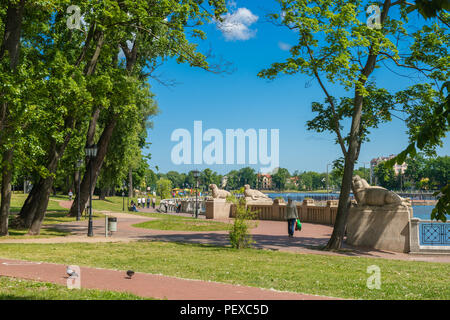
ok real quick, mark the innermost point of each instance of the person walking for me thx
(70, 195)
(148, 202)
(139, 202)
(291, 216)
(154, 202)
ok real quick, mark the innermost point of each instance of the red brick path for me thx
(145, 285)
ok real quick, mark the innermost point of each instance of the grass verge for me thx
(180, 223)
(18, 289)
(335, 276)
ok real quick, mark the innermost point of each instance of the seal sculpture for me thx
(218, 193)
(373, 196)
(254, 194)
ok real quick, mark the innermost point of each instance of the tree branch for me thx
(330, 101)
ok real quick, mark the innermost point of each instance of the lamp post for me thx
(328, 164)
(91, 153)
(79, 164)
(196, 174)
(370, 173)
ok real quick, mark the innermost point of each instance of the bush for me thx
(240, 236)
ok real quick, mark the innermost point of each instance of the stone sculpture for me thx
(373, 196)
(251, 194)
(218, 193)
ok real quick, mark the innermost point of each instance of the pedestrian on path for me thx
(148, 203)
(154, 202)
(70, 195)
(139, 202)
(291, 216)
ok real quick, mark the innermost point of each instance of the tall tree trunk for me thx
(95, 165)
(354, 146)
(337, 237)
(5, 192)
(11, 44)
(33, 210)
(103, 192)
(130, 184)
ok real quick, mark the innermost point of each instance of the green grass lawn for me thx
(183, 224)
(55, 214)
(115, 204)
(179, 223)
(17, 200)
(344, 277)
(18, 289)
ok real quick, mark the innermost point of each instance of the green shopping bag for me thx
(298, 225)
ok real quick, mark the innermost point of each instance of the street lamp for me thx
(91, 153)
(123, 200)
(196, 174)
(79, 164)
(370, 173)
(328, 164)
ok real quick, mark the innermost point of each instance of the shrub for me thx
(240, 236)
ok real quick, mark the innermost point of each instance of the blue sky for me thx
(242, 100)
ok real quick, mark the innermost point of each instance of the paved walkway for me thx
(271, 235)
(144, 284)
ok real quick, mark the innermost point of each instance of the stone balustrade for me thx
(307, 211)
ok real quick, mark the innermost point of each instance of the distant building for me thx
(293, 180)
(397, 167)
(264, 181)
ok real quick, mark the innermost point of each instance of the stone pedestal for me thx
(380, 227)
(217, 209)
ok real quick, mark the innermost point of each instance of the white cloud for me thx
(235, 26)
(284, 46)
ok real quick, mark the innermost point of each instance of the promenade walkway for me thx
(270, 235)
(144, 284)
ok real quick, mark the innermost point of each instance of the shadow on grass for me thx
(269, 242)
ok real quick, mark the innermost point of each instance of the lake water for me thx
(421, 212)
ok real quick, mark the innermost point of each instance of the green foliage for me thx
(240, 236)
(385, 177)
(164, 188)
(279, 178)
(430, 8)
(443, 205)
(321, 274)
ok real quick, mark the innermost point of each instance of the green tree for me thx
(164, 188)
(279, 178)
(385, 177)
(334, 45)
(248, 176)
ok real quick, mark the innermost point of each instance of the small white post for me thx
(106, 226)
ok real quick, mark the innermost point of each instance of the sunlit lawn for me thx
(179, 223)
(55, 214)
(18, 289)
(335, 276)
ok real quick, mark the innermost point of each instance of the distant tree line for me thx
(422, 173)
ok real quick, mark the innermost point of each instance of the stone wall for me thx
(307, 211)
(380, 227)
